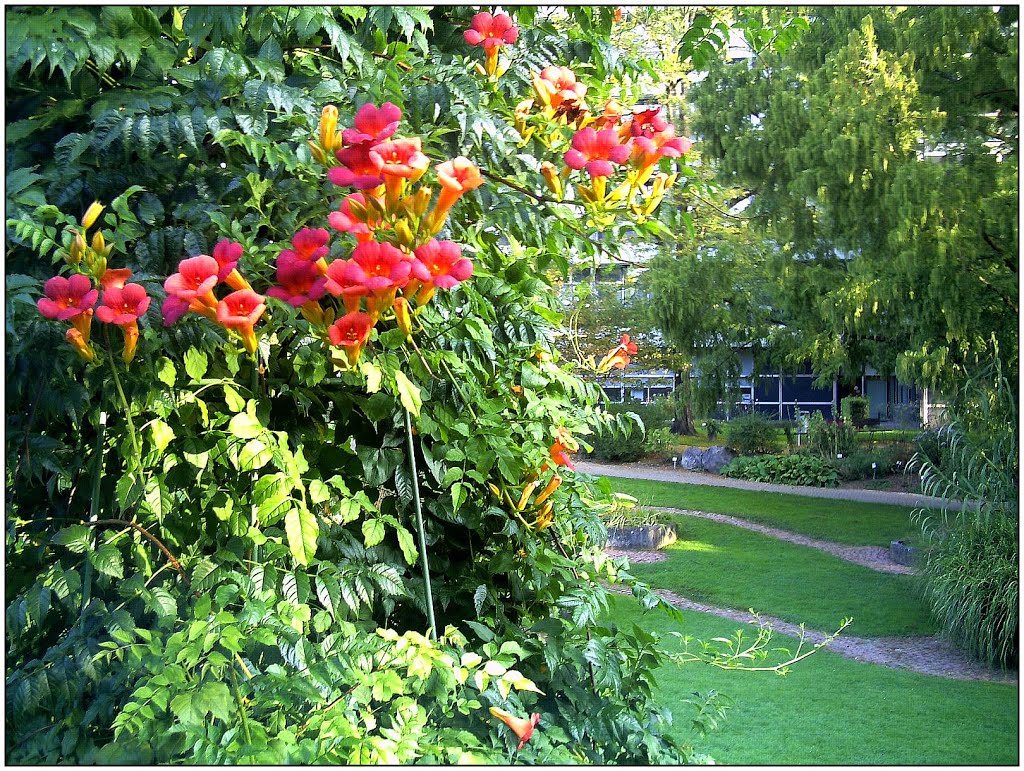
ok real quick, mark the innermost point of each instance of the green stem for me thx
(124, 401)
(419, 525)
(94, 505)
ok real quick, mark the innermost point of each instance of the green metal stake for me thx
(419, 525)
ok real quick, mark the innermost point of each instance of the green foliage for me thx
(750, 434)
(971, 574)
(854, 408)
(830, 438)
(784, 469)
(625, 440)
(883, 164)
(858, 464)
(213, 556)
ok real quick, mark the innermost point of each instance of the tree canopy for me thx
(880, 156)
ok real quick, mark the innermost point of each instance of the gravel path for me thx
(638, 471)
(874, 557)
(927, 655)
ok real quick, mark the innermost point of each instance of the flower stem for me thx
(124, 401)
(419, 525)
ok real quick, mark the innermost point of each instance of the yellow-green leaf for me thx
(409, 393)
(162, 434)
(373, 376)
(302, 529)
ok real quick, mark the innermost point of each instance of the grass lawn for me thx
(728, 566)
(848, 522)
(834, 711)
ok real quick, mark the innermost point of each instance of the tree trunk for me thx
(682, 420)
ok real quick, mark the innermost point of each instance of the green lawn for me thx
(728, 566)
(834, 711)
(848, 522)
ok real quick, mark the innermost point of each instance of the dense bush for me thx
(750, 434)
(293, 532)
(857, 464)
(621, 446)
(972, 574)
(796, 469)
(854, 409)
(830, 438)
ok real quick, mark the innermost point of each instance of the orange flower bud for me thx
(403, 316)
(74, 337)
(550, 174)
(131, 339)
(525, 498)
(548, 490)
(92, 214)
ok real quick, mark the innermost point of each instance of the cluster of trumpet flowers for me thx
(74, 298)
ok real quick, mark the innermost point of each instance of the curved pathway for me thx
(654, 474)
(927, 655)
(874, 557)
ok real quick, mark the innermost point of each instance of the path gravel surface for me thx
(656, 474)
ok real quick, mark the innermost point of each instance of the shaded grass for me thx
(834, 711)
(847, 522)
(728, 566)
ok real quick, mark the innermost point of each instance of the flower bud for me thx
(131, 339)
(403, 316)
(92, 214)
(328, 127)
(82, 348)
(99, 244)
(550, 174)
(77, 249)
(420, 201)
(318, 153)
(403, 233)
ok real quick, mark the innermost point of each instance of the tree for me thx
(883, 256)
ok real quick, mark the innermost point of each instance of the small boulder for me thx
(715, 458)
(691, 459)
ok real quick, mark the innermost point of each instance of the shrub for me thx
(785, 470)
(658, 440)
(855, 408)
(971, 574)
(972, 584)
(750, 434)
(623, 443)
(829, 438)
(857, 465)
(713, 427)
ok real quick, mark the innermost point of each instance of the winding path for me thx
(927, 655)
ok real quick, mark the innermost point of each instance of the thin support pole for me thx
(419, 525)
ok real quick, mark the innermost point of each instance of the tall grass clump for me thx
(971, 572)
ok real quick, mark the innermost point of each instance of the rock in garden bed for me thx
(643, 537)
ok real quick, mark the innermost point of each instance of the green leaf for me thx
(163, 434)
(301, 527)
(196, 363)
(77, 538)
(165, 371)
(245, 426)
(328, 592)
(409, 393)
(232, 398)
(373, 531)
(254, 455)
(107, 560)
(215, 699)
(373, 376)
(407, 545)
(163, 603)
